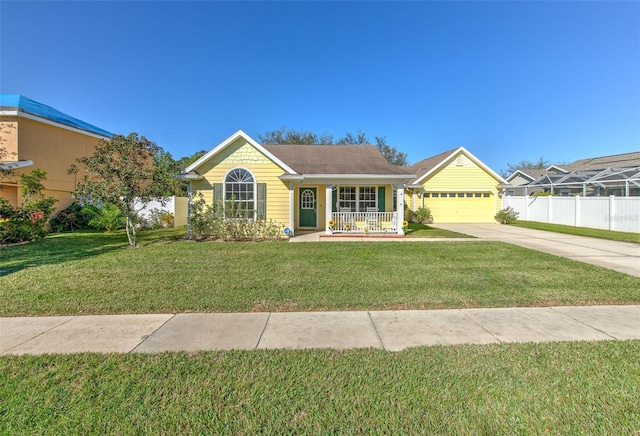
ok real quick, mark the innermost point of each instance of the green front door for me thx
(308, 213)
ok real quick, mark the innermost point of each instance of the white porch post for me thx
(189, 208)
(328, 207)
(413, 199)
(400, 209)
(292, 214)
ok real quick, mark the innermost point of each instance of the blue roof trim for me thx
(32, 107)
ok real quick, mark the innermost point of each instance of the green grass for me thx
(555, 388)
(95, 273)
(581, 231)
(414, 230)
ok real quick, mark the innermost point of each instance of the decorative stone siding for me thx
(241, 154)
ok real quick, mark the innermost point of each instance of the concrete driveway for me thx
(619, 256)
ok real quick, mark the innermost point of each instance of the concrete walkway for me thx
(619, 256)
(389, 330)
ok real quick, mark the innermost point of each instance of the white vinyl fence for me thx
(175, 205)
(608, 213)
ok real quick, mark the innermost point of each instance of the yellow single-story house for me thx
(456, 186)
(341, 188)
(335, 188)
(39, 136)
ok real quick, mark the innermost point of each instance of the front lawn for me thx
(414, 230)
(581, 231)
(548, 388)
(95, 273)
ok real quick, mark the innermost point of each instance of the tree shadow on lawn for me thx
(59, 248)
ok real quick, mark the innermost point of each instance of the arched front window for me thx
(239, 194)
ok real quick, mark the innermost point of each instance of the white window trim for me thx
(357, 201)
(255, 190)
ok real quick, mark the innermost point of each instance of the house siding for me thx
(519, 180)
(459, 176)
(52, 149)
(240, 153)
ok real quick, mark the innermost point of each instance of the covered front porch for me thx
(357, 206)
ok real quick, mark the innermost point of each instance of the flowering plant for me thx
(331, 223)
(35, 216)
(405, 223)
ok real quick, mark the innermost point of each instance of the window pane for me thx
(367, 198)
(239, 195)
(347, 198)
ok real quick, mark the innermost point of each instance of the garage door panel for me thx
(461, 209)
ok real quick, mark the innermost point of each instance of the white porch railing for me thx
(364, 222)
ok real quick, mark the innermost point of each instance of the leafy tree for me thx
(394, 156)
(291, 136)
(166, 168)
(5, 172)
(32, 184)
(349, 138)
(184, 162)
(524, 166)
(122, 171)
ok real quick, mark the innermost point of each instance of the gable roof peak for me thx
(231, 139)
(429, 165)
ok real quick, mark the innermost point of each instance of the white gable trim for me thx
(555, 167)
(522, 173)
(447, 159)
(224, 144)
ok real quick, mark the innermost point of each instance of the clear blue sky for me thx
(508, 80)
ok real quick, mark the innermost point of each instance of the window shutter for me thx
(217, 193)
(262, 201)
(381, 199)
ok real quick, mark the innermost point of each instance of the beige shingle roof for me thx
(425, 165)
(334, 159)
(600, 163)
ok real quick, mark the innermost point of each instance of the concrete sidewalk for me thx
(389, 330)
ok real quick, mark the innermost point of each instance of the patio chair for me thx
(347, 218)
(372, 219)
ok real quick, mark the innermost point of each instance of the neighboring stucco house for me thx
(617, 174)
(456, 186)
(39, 136)
(334, 188)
